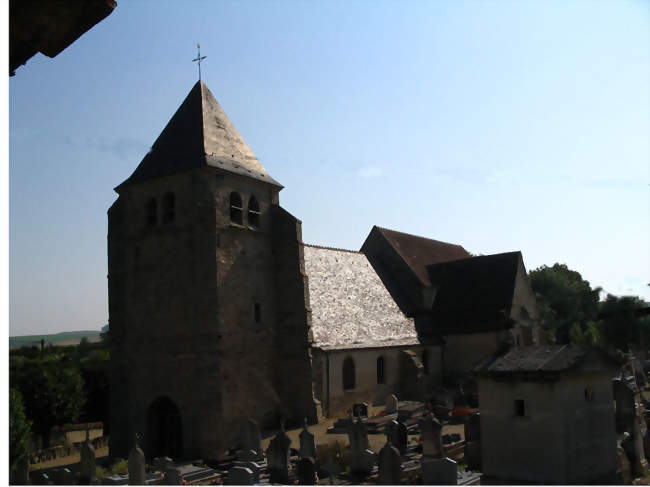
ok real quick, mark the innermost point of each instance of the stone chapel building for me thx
(219, 312)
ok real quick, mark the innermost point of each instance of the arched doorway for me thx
(164, 430)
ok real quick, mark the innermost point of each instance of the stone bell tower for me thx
(208, 303)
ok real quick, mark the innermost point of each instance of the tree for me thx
(621, 322)
(52, 390)
(19, 430)
(567, 305)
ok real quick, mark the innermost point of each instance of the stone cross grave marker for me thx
(136, 465)
(431, 441)
(391, 404)
(251, 437)
(357, 435)
(390, 465)
(307, 471)
(439, 471)
(307, 444)
(88, 464)
(240, 476)
(277, 457)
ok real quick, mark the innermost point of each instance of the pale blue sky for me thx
(500, 126)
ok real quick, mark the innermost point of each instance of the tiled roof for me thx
(474, 293)
(199, 135)
(419, 252)
(350, 305)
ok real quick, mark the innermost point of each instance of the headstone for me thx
(431, 442)
(362, 462)
(391, 404)
(247, 456)
(473, 427)
(360, 410)
(252, 466)
(88, 465)
(307, 471)
(277, 458)
(251, 437)
(136, 466)
(62, 476)
(172, 476)
(240, 476)
(473, 455)
(307, 444)
(397, 435)
(439, 471)
(357, 435)
(390, 465)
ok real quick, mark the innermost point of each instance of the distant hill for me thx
(63, 338)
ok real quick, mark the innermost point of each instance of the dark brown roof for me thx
(474, 294)
(199, 135)
(540, 361)
(419, 252)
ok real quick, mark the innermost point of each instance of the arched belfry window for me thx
(235, 208)
(253, 212)
(151, 212)
(348, 374)
(381, 377)
(168, 208)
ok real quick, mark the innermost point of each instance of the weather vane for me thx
(199, 59)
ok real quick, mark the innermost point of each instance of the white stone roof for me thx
(350, 306)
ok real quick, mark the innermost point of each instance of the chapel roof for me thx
(474, 294)
(419, 252)
(199, 134)
(350, 305)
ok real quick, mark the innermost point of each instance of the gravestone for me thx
(390, 465)
(439, 471)
(431, 442)
(397, 434)
(247, 456)
(277, 458)
(240, 476)
(172, 476)
(88, 464)
(307, 471)
(251, 437)
(362, 462)
(473, 455)
(357, 435)
(136, 466)
(473, 427)
(307, 444)
(391, 404)
(62, 476)
(252, 466)
(360, 410)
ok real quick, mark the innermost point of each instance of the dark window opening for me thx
(168, 208)
(425, 361)
(589, 394)
(348, 374)
(381, 379)
(235, 208)
(258, 313)
(152, 212)
(520, 407)
(253, 212)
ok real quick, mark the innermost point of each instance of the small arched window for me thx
(425, 361)
(348, 374)
(235, 208)
(151, 212)
(381, 378)
(168, 208)
(253, 212)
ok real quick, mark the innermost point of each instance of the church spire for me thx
(199, 134)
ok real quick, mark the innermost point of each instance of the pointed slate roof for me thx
(199, 135)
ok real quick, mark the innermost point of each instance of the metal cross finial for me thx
(199, 59)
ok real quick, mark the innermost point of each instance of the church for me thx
(219, 312)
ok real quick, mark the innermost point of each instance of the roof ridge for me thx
(331, 248)
(419, 236)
